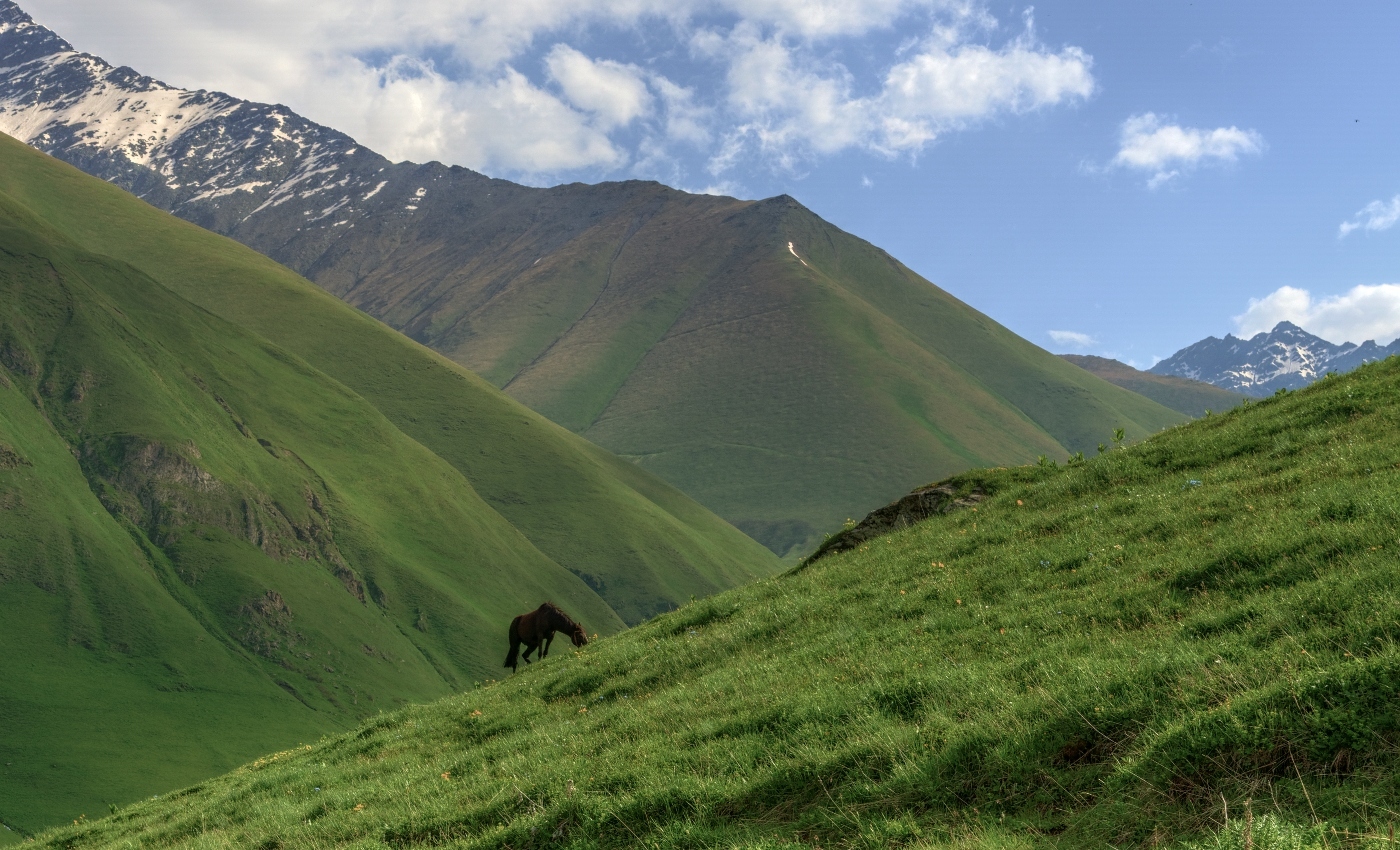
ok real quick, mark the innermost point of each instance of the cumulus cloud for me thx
(1168, 150)
(1362, 313)
(420, 114)
(614, 93)
(1074, 338)
(792, 104)
(942, 88)
(1377, 215)
(510, 87)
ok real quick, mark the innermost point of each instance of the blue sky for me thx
(1117, 178)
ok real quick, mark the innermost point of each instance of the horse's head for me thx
(578, 635)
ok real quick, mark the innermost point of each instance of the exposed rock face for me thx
(163, 492)
(918, 506)
(9, 458)
(257, 172)
(1287, 357)
(268, 627)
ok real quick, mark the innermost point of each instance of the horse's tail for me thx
(512, 657)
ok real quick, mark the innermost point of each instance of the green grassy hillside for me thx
(1116, 652)
(1192, 398)
(213, 543)
(781, 372)
(784, 373)
(560, 491)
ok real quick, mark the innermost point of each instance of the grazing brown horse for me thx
(538, 627)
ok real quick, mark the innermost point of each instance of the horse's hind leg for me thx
(511, 657)
(529, 648)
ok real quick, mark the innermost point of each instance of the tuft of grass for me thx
(1271, 832)
(1117, 652)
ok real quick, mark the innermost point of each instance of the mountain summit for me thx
(783, 373)
(1286, 357)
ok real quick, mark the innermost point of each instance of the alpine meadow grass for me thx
(1126, 651)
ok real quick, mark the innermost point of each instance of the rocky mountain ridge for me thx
(1286, 357)
(212, 158)
(785, 374)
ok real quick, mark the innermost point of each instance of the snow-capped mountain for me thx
(257, 172)
(1286, 357)
(693, 334)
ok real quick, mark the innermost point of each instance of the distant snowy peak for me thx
(172, 146)
(23, 39)
(77, 99)
(1286, 357)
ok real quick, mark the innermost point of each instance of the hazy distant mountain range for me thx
(782, 372)
(1188, 396)
(1287, 357)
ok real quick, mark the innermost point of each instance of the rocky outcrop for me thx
(925, 502)
(10, 459)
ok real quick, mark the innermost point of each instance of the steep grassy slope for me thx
(782, 372)
(640, 543)
(1183, 395)
(179, 485)
(209, 546)
(1112, 652)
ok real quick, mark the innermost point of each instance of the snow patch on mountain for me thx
(218, 160)
(1286, 357)
(140, 121)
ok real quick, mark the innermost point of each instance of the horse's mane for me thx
(565, 617)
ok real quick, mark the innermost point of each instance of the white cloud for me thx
(1143, 365)
(793, 105)
(686, 120)
(417, 113)
(826, 18)
(466, 81)
(942, 88)
(1361, 313)
(1376, 215)
(1074, 338)
(1167, 150)
(615, 93)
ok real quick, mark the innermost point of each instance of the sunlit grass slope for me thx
(209, 546)
(785, 373)
(640, 543)
(1104, 653)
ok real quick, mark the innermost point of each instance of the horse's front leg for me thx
(548, 639)
(529, 648)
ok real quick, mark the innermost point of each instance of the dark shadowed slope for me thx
(1183, 395)
(237, 513)
(785, 374)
